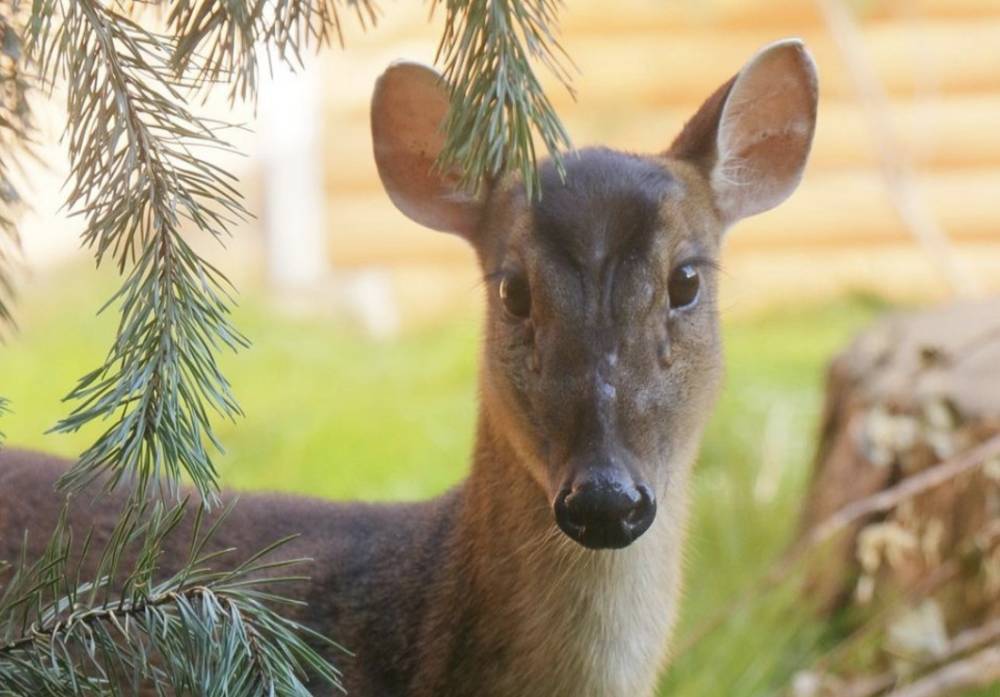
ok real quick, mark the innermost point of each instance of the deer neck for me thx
(575, 621)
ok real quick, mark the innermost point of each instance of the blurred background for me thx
(361, 379)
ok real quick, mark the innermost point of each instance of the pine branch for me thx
(487, 50)
(15, 132)
(227, 40)
(198, 632)
(137, 173)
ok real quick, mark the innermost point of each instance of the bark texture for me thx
(915, 390)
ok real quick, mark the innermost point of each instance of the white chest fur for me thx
(600, 625)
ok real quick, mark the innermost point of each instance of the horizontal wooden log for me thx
(640, 16)
(679, 67)
(948, 132)
(443, 278)
(851, 208)
(828, 210)
(957, 132)
(670, 68)
(754, 280)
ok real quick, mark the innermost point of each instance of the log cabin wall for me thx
(645, 65)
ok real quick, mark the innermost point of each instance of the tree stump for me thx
(915, 390)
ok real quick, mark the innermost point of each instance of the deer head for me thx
(602, 349)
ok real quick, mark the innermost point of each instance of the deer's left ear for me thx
(752, 137)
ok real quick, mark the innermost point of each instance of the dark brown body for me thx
(432, 598)
(374, 568)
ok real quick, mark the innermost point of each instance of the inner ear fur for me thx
(752, 137)
(409, 108)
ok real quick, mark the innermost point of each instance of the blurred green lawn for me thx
(332, 413)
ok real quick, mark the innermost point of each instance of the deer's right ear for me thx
(408, 113)
(752, 137)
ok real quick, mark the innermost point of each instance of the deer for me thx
(554, 569)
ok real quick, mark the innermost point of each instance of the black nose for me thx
(604, 511)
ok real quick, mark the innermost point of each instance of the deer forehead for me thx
(615, 224)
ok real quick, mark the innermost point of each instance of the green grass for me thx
(754, 466)
(327, 411)
(331, 413)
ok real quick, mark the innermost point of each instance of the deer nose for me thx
(604, 510)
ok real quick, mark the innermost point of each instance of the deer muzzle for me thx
(602, 507)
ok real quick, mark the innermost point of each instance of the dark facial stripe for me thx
(607, 208)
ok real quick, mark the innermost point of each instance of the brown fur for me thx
(478, 592)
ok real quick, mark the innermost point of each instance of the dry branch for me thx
(963, 643)
(900, 184)
(979, 670)
(888, 499)
(972, 639)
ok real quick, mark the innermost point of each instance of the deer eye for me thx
(683, 286)
(515, 295)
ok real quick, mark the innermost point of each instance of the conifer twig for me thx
(15, 133)
(138, 173)
(486, 50)
(199, 631)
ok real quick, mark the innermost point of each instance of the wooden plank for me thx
(632, 17)
(911, 59)
(644, 70)
(754, 279)
(830, 210)
(833, 209)
(932, 9)
(367, 229)
(956, 132)
(750, 282)
(952, 132)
